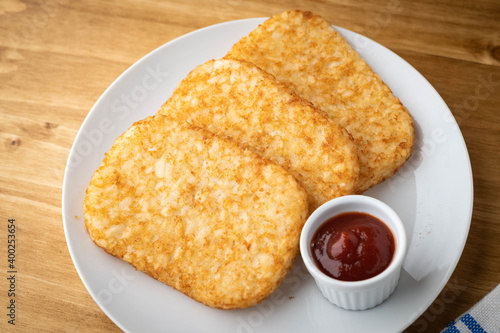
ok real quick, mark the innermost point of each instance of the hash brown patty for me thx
(197, 212)
(237, 100)
(306, 53)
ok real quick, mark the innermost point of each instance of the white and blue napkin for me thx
(483, 317)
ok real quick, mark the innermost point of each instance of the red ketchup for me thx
(353, 246)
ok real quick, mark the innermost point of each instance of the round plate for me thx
(432, 193)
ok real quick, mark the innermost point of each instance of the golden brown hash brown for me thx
(197, 212)
(306, 53)
(237, 100)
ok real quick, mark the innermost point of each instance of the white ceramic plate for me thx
(433, 194)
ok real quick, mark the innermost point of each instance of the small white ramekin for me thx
(364, 294)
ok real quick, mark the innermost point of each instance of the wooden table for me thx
(58, 56)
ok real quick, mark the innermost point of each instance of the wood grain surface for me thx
(58, 56)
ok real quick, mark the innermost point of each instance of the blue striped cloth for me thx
(484, 317)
